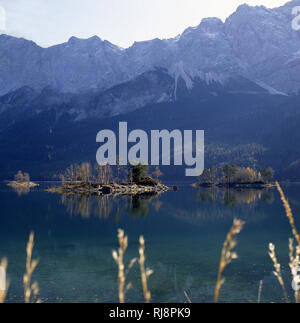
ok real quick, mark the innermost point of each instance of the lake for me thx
(184, 233)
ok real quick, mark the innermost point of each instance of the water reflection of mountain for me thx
(215, 205)
(105, 206)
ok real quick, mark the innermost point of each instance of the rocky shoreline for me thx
(108, 189)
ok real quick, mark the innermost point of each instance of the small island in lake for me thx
(22, 181)
(236, 177)
(103, 180)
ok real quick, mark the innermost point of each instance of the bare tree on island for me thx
(157, 173)
(103, 174)
(22, 178)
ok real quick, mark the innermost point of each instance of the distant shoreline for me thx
(257, 185)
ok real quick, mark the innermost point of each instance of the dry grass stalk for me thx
(30, 289)
(277, 271)
(294, 266)
(119, 258)
(227, 254)
(145, 273)
(187, 297)
(3, 293)
(259, 291)
(289, 212)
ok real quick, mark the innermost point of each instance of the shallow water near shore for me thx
(184, 233)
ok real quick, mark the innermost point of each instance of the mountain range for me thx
(238, 80)
(254, 42)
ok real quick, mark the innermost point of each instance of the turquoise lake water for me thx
(184, 233)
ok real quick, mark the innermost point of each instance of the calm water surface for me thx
(184, 232)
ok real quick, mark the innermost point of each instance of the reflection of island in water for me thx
(105, 206)
(234, 196)
(219, 205)
(206, 206)
(21, 190)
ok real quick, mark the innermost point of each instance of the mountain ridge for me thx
(254, 42)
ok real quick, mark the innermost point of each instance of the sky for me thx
(50, 22)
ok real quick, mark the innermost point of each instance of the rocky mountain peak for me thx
(211, 25)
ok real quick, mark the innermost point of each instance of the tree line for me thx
(106, 174)
(233, 174)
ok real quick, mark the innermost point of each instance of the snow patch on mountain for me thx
(270, 89)
(212, 77)
(178, 71)
(164, 98)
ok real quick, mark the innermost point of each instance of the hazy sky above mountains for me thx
(122, 22)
